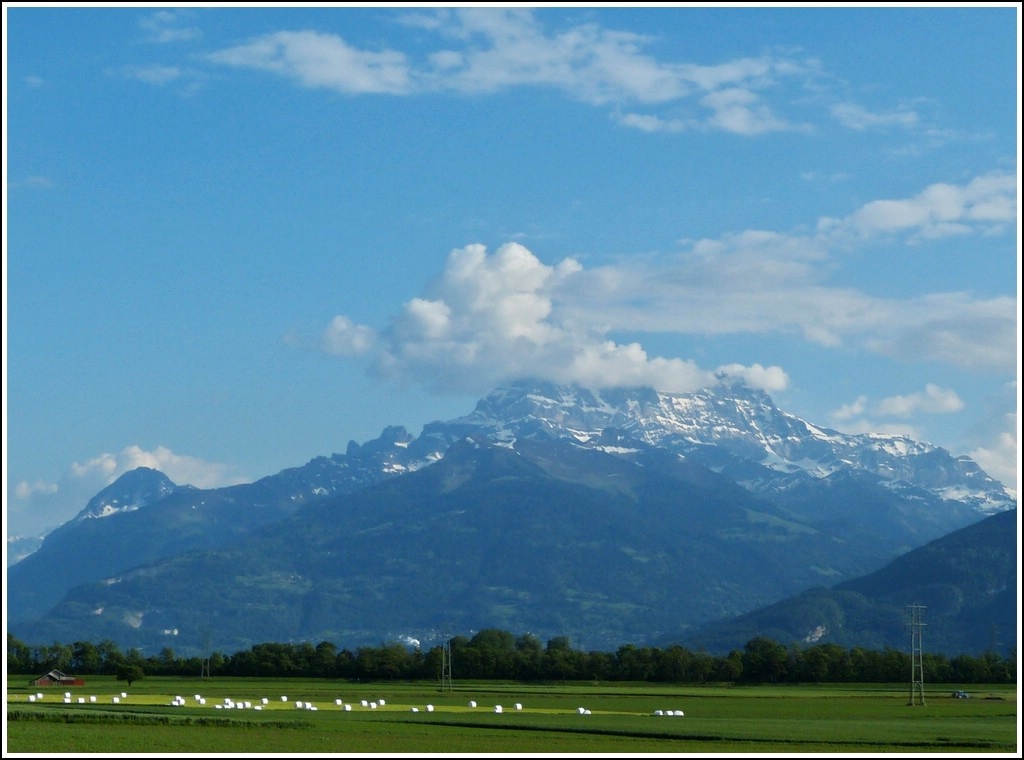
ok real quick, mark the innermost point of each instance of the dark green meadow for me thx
(726, 719)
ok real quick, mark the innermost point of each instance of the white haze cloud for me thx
(40, 506)
(487, 50)
(932, 400)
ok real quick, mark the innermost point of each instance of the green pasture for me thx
(617, 719)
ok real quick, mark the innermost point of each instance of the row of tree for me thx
(497, 654)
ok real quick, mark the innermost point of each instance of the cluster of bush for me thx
(497, 654)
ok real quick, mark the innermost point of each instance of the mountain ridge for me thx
(837, 505)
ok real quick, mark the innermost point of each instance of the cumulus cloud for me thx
(39, 506)
(495, 317)
(486, 50)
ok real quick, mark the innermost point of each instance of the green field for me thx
(621, 718)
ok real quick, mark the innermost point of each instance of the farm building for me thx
(56, 678)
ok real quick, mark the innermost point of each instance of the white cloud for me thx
(850, 411)
(486, 50)
(739, 110)
(996, 437)
(182, 469)
(39, 506)
(25, 490)
(155, 74)
(650, 122)
(165, 26)
(932, 400)
(491, 318)
(770, 379)
(344, 338)
(999, 459)
(857, 117)
(983, 203)
(322, 60)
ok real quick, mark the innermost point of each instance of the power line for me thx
(916, 648)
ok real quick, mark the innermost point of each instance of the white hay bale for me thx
(581, 710)
(284, 699)
(258, 707)
(264, 701)
(115, 700)
(497, 708)
(124, 695)
(92, 697)
(519, 705)
(678, 712)
(31, 697)
(430, 708)
(39, 695)
(67, 695)
(81, 700)
(364, 703)
(348, 708)
(337, 702)
(380, 702)
(472, 703)
(415, 709)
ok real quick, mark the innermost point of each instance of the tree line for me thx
(493, 654)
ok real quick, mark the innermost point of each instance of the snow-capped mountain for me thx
(134, 490)
(734, 430)
(613, 515)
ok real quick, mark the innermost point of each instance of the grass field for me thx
(230, 716)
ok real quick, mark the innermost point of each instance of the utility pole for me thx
(446, 663)
(916, 664)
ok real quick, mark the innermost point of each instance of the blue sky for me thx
(238, 238)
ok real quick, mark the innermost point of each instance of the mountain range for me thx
(615, 516)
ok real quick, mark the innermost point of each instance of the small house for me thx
(56, 678)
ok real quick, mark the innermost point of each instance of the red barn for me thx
(56, 678)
